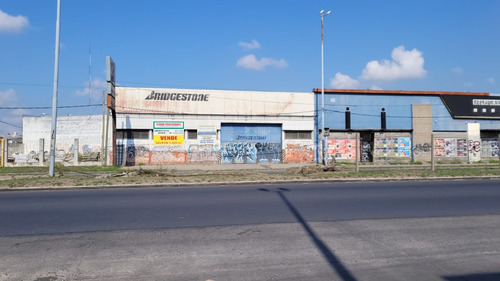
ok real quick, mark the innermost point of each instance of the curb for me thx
(214, 184)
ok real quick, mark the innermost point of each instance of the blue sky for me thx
(242, 45)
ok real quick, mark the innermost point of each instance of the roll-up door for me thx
(251, 143)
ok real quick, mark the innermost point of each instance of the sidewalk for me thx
(222, 167)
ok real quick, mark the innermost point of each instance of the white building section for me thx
(247, 126)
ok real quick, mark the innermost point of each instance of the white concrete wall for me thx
(219, 102)
(87, 129)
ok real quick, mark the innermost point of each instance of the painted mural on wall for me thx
(296, 153)
(392, 147)
(249, 144)
(342, 149)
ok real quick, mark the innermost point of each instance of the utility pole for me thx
(323, 133)
(104, 140)
(54, 97)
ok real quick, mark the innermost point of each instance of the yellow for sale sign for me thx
(168, 139)
(168, 132)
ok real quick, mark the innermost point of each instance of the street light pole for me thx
(323, 134)
(54, 96)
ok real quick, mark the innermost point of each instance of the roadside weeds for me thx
(100, 177)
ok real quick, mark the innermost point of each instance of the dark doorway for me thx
(366, 140)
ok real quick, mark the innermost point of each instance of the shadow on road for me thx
(334, 262)
(493, 276)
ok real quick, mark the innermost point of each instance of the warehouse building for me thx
(157, 126)
(186, 126)
(402, 126)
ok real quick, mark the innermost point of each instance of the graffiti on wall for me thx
(474, 147)
(203, 153)
(295, 153)
(366, 151)
(421, 148)
(171, 154)
(250, 143)
(64, 153)
(250, 153)
(158, 155)
(137, 154)
(268, 152)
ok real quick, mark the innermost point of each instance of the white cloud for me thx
(8, 98)
(405, 64)
(14, 24)
(457, 71)
(248, 46)
(490, 80)
(375, 87)
(97, 86)
(341, 81)
(251, 62)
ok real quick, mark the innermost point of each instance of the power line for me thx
(47, 107)
(10, 124)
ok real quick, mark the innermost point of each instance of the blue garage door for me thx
(250, 143)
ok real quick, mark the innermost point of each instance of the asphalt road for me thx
(443, 230)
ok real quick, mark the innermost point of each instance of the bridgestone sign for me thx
(177, 96)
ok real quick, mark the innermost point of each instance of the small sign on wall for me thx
(168, 132)
(207, 135)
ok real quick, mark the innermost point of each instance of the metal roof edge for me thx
(399, 92)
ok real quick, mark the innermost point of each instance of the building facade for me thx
(156, 126)
(403, 126)
(186, 126)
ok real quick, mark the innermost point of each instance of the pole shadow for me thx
(489, 276)
(330, 257)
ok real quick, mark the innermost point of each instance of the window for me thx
(142, 134)
(192, 134)
(298, 135)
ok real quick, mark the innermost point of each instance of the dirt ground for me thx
(184, 175)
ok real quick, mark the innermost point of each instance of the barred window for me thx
(298, 135)
(192, 134)
(133, 134)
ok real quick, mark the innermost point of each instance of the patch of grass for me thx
(73, 176)
(23, 170)
(449, 162)
(58, 167)
(346, 163)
